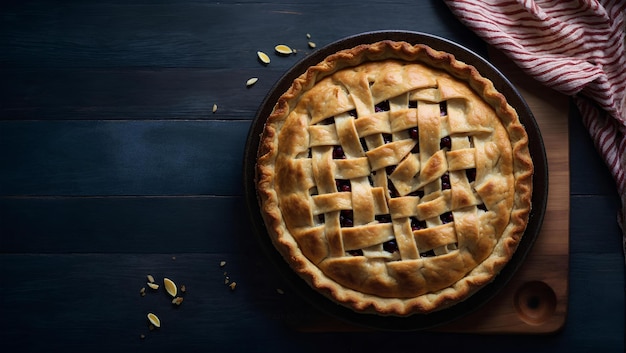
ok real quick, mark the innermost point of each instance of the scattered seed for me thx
(153, 285)
(173, 258)
(151, 327)
(312, 45)
(142, 291)
(283, 49)
(150, 279)
(233, 285)
(154, 320)
(177, 300)
(222, 263)
(170, 286)
(226, 280)
(308, 36)
(280, 291)
(265, 59)
(251, 81)
(183, 289)
(142, 336)
(214, 108)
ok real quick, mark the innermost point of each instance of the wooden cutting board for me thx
(536, 298)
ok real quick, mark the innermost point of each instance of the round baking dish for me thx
(418, 321)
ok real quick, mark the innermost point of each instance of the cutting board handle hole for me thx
(535, 302)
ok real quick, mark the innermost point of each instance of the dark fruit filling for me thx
(471, 174)
(416, 224)
(345, 218)
(393, 192)
(357, 252)
(382, 107)
(390, 246)
(390, 168)
(387, 138)
(328, 121)
(321, 218)
(412, 104)
(414, 134)
(443, 108)
(419, 193)
(338, 153)
(447, 217)
(429, 253)
(383, 218)
(482, 207)
(445, 143)
(445, 181)
(352, 113)
(363, 144)
(343, 185)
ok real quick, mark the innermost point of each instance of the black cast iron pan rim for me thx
(417, 321)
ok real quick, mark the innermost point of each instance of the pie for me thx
(394, 179)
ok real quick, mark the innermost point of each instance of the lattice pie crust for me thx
(394, 179)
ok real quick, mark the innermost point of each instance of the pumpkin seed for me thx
(283, 49)
(154, 320)
(170, 286)
(251, 81)
(265, 59)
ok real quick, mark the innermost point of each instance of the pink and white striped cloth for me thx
(573, 46)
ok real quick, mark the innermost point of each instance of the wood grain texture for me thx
(184, 34)
(140, 225)
(138, 94)
(82, 158)
(111, 163)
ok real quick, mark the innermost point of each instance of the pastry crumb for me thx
(177, 300)
(150, 278)
(280, 291)
(214, 108)
(142, 291)
(233, 285)
(183, 288)
(222, 263)
(153, 285)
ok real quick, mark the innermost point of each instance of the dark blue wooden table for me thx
(113, 166)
